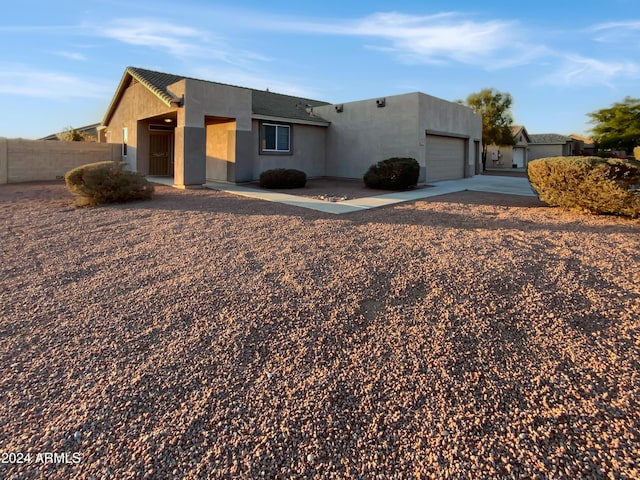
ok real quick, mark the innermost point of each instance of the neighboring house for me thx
(549, 145)
(510, 156)
(196, 130)
(582, 145)
(89, 132)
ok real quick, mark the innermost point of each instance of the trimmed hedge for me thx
(106, 182)
(393, 174)
(588, 184)
(283, 178)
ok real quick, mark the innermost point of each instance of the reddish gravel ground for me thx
(203, 335)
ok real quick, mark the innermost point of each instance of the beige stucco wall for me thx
(363, 133)
(203, 101)
(41, 160)
(307, 151)
(438, 115)
(548, 150)
(499, 157)
(220, 149)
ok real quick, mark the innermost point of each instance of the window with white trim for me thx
(275, 138)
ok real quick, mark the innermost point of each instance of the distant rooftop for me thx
(89, 131)
(548, 138)
(585, 140)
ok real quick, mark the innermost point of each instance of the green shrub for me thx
(590, 184)
(393, 174)
(283, 178)
(106, 182)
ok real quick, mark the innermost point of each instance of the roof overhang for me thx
(318, 122)
(167, 99)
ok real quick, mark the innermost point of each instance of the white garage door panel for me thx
(518, 157)
(445, 158)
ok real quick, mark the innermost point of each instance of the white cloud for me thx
(632, 25)
(623, 33)
(439, 38)
(72, 56)
(177, 40)
(584, 71)
(32, 83)
(429, 38)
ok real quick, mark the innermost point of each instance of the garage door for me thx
(445, 158)
(518, 157)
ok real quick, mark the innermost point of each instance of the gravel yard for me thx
(204, 335)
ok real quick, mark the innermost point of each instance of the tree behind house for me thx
(495, 108)
(617, 127)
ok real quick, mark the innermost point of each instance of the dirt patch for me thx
(206, 335)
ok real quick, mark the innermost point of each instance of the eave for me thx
(319, 123)
(129, 73)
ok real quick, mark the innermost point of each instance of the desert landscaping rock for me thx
(204, 335)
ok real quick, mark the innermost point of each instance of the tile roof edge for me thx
(184, 77)
(166, 97)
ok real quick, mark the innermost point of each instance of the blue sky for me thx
(61, 61)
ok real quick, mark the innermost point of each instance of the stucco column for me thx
(190, 157)
(243, 168)
(4, 161)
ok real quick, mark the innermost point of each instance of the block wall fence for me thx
(41, 160)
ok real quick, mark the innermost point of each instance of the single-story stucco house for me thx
(515, 156)
(550, 145)
(582, 145)
(197, 131)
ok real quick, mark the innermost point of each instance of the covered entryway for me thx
(445, 157)
(160, 153)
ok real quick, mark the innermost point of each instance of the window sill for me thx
(275, 153)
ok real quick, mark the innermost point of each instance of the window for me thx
(276, 138)
(125, 140)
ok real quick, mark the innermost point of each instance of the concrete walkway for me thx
(479, 183)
